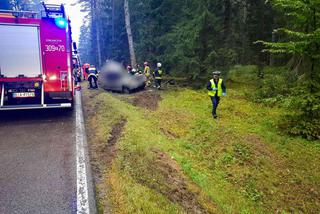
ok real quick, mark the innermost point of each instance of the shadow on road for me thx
(33, 115)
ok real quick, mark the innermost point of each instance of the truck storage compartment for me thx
(19, 51)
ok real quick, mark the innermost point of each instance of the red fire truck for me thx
(36, 59)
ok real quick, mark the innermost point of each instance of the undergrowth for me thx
(239, 163)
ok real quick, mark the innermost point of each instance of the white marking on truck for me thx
(82, 185)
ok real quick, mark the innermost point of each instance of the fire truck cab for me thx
(36, 59)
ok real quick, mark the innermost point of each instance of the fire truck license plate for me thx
(23, 95)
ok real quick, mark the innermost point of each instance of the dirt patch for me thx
(168, 133)
(261, 149)
(175, 187)
(146, 99)
(103, 155)
(87, 96)
(102, 151)
(110, 150)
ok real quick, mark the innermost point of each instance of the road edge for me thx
(86, 203)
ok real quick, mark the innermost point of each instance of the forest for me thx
(192, 38)
(26, 5)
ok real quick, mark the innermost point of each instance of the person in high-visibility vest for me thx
(216, 89)
(147, 72)
(158, 75)
(93, 77)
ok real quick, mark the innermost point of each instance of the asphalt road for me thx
(38, 162)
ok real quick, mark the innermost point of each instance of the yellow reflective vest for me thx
(158, 74)
(219, 87)
(147, 71)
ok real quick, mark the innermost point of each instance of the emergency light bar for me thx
(61, 22)
(54, 11)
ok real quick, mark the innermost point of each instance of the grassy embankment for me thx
(177, 159)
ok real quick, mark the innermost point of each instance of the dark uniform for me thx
(93, 77)
(216, 89)
(158, 77)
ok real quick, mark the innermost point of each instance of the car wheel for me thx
(125, 90)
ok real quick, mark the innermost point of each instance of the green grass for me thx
(239, 163)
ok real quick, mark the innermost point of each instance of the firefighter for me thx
(85, 68)
(93, 77)
(147, 72)
(133, 71)
(129, 69)
(76, 75)
(216, 89)
(139, 70)
(158, 75)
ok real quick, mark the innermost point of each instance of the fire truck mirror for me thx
(74, 46)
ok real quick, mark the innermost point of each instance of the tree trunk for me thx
(227, 19)
(271, 62)
(95, 17)
(313, 59)
(244, 33)
(129, 33)
(113, 21)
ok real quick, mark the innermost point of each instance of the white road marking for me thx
(82, 185)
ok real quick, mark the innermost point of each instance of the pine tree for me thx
(302, 38)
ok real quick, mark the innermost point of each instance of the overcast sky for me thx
(76, 16)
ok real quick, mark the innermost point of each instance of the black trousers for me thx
(158, 83)
(215, 103)
(77, 79)
(93, 81)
